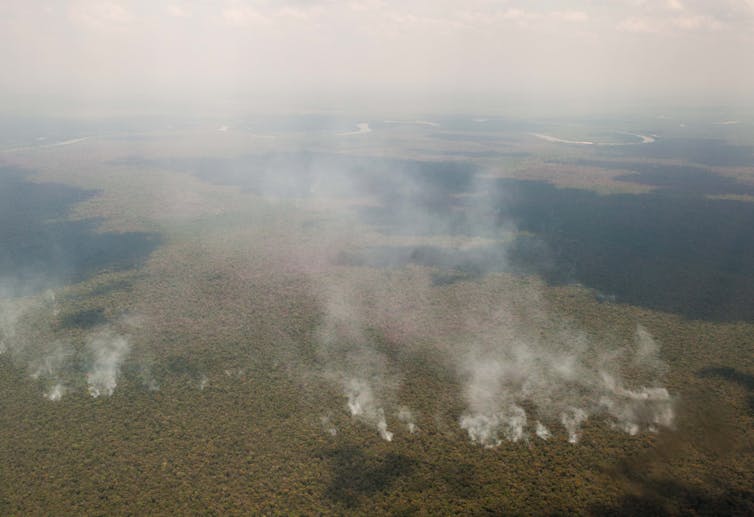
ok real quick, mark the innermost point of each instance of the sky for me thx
(297, 53)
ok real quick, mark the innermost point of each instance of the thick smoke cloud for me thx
(568, 385)
(523, 373)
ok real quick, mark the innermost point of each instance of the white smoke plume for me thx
(30, 332)
(148, 379)
(52, 302)
(572, 419)
(328, 426)
(570, 384)
(51, 367)
(50, 364)
(10, 313)
(26, 335)
(362, 405)
(646, 355)
(350, 360)
(486, 428)
(108, 351)
(523, 369)
(482, 428)
(406, 416)
(55, 392)
(520, 359)
(542, 432)
(635, 410)
(491, 411)
(16, 303)
(203, 382)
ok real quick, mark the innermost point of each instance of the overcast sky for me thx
(277, 51)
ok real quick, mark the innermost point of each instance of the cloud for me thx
(697, 22)
(639, 25)
(243, 16)
(100, 15)
(367, 5)
(570, 16)
(477, 18)
(688, 23)
(178, 11)
(247, 15)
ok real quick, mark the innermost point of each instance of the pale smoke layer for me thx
(150, 382)
(569, 385)
(351, 361)
(56, 392)
(542, 432)
(25, 325)
(572, 420)
(646, 356)
(482, 428)
(9, 316)
(406, 416)
(108, 351)
(203, 382)
(52, 302)
(362, 404)
(492, 411)
(50, 368)
(633, 410)
(27, 334)
(522, 357)
(486, 429)
(327, 425)
(519, 357)
(361, 128)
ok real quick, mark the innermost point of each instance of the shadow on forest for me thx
(671, 498)
(85, 319)
(667, 251)
(461, 479)
(356, 474)
(746, 380)
(673, 252)
(41, 248)
(711, 430)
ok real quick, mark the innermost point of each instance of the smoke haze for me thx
(523, 369)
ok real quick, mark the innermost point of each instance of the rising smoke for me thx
(108, 350)
(28, 328)
(523, 370)
(362, 404)
(569, 385)
(406, 416)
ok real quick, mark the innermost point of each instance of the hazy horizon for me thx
(104, 58)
